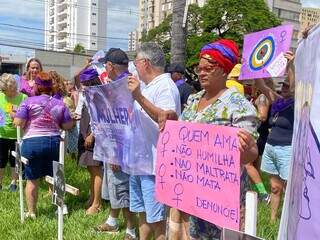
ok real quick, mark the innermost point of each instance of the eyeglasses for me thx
(137, 60)
(206, 69)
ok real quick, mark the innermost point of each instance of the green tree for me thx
(78, 48)
(216, 19)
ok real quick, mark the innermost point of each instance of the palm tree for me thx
(178, 40)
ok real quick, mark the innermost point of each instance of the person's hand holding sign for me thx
(164, 116)
(247, 147)
(88, 143)
(134, 86)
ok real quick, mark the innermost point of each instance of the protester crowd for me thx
(44, 103)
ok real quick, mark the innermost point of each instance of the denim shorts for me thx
(40, 152)
(118, 188)
(276, 160)
(142, 198)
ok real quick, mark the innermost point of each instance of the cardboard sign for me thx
(261, 52)
(198, 171)
(58, 184)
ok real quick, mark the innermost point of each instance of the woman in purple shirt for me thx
(33, 67)
(41, 117)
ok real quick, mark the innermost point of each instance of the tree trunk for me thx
(178, 39)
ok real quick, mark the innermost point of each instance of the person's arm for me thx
(247, 146)
(164, 116)
(267, 91)
(290, 70)
(153, 111)
(19, 122)
(21, 115)
(263, 105)
(68, 125)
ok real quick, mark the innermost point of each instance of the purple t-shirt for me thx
(44, 116)
(25, 88)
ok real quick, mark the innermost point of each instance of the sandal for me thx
(93, 210)
(107, 228)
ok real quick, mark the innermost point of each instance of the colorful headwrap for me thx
(88, 74)
(224, 51)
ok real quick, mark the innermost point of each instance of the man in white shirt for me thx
(159, 95)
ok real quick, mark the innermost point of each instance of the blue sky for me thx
(30, 13)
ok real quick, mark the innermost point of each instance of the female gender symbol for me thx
(178, 190)
(164, 140)
(283, 35)
(162, 172)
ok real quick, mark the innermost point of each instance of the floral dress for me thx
(230, 109)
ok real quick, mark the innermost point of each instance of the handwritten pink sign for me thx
(198, 171)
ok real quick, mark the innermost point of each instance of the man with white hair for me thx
(159, 95)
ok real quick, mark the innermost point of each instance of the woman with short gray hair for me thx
(10, 100)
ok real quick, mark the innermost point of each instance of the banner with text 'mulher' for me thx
(116, 127)
(198, 171)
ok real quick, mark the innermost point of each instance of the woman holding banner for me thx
(276, 157)
(89, 77)
(42, 117)
(217, 105)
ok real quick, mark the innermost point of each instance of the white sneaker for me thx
(30, 215)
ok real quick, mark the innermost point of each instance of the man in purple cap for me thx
(116, 181)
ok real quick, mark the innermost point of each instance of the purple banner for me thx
(115, 125)
(263, 51)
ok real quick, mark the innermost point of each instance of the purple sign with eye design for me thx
(263, 51)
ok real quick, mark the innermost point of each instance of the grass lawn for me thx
(76, 225)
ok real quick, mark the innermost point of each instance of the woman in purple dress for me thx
(27, 80)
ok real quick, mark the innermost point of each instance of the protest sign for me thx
(116, 128)
(263, 53)
(198, 171)
(58, 184)
(300, 216)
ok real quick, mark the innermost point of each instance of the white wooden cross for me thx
(19, 161)
(68, 188)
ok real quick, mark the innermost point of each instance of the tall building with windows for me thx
(152, 12)
(309, 17)
(289, 12)
(72, 22)
(133, 41)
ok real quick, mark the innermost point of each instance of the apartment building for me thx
(289, 12)
(72, 22)
(152, 12)
(308, 17)
(133, 41)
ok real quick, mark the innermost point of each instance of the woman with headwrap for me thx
(27, 81)
(217, 105)
(41, 117)
(89, 77)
